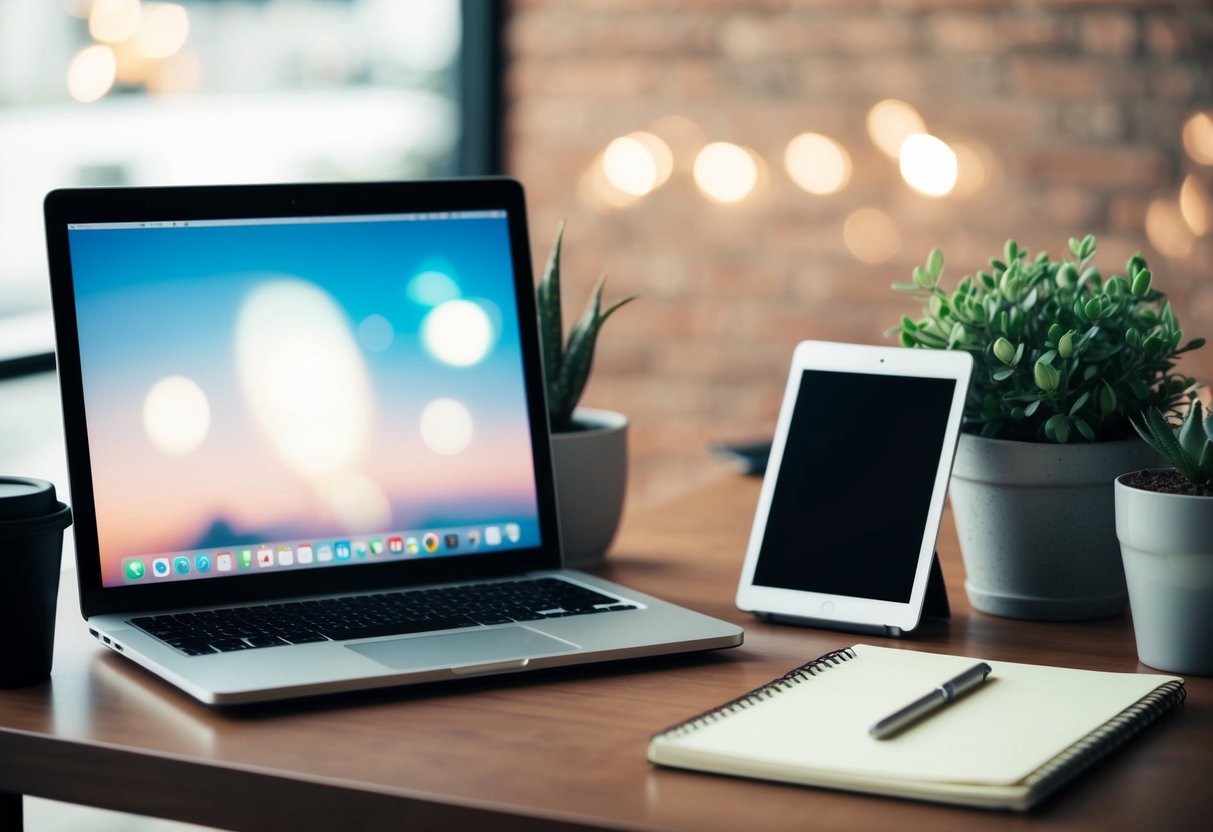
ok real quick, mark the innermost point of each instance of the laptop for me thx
(308, 442)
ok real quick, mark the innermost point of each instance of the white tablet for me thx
(844, 535)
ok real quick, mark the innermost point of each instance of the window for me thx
(131, 92)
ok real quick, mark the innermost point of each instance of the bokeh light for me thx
(176, 415)
(90, 75)
(663, 156)
(630, 166)
(432, 286)
(1194, 205)
(1198, 137)
(163, 30)
(376, 333)
(446, 427)
(597, 190)
(132, 66)
(817, 163)
(111, 21)
(928, 165)
(457, 332)
(890, 122)
(1167, 230)
(871, 235)
(725, 172)
(308, 388)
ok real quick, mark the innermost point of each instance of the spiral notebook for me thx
(1020, 736)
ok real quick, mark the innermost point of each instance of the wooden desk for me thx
(558, 748)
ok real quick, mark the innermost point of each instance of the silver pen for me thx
(932, 702)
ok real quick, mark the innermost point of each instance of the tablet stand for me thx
(935, 602)
(934, 606)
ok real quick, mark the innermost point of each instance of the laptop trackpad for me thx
(474, 647)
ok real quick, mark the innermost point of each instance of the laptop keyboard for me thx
(369, 616)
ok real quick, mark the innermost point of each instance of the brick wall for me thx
(1074, 110)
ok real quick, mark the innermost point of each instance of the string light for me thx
(817, 163)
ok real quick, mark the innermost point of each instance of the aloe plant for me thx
(567, 364)
(1188, 445)
(1059, 351)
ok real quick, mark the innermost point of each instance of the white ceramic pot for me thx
(1166, 541)
(1036, 523)
(591, 467)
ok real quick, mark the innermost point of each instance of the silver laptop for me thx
(308, 443)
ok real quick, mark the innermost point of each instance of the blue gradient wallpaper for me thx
(298, 383)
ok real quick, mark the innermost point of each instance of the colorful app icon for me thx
(223, 562)
(324, 553)
(203, 563)
(286, 555)
(265, 557)
(134, 570)
(492, 536)
(473, 538)
(342, 549)
(430, 541)
(512, 532)
(360, 548)
(181, 565)
(160, 567)
(305, 553)
(452, 541)
(411, 547)
(246, 558)
(377, 546)
(395, 545)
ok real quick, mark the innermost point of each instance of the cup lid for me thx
(23, 497)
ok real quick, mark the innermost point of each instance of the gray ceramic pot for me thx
(1037, 528)
(591, 467)
(1166, 541)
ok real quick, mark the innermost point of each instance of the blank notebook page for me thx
(998, 734)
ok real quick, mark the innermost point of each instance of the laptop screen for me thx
(301, 393)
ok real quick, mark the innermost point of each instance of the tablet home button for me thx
(827, 608)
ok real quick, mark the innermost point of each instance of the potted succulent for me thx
(1064, 358)
(589, 446)
(1164, 519)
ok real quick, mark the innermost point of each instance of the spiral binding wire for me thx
(787, 681)
(1104, 740)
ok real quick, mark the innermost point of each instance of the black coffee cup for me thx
(32, 521)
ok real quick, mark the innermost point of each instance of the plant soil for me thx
(1168, 482)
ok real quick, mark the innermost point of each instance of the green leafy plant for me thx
(1188, 445)
(567, 365)
(1060, 353)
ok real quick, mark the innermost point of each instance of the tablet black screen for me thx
(854, 485)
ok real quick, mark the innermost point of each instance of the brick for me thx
(1174, 84)
(585, 77)
(1173, 36)
(1074, 79)
(1110, 33)
(1127, 212)
(1076, 104)
(1094, 166)
(982, 32)
(1101, 122)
